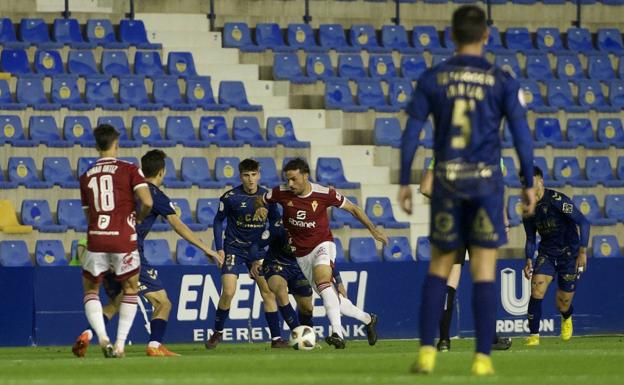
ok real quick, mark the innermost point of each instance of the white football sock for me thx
(127, 311)
(95, 316)
(332, 308)
(350, 310)
(154, 344)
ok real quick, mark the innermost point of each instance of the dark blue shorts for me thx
(148, 282)
(297, 282)
(336, 274)
(237, 260)
(460, 220)
(564, 269)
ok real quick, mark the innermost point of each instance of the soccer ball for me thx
(303, 338)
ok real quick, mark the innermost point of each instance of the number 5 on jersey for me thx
(103, 193)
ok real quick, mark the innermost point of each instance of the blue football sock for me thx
(220, 318)
(272, 319)
(431, 308)
(289, 315)
(158, 327)
(534, 314)
(305, 319)
(567, 314)
(484, 309)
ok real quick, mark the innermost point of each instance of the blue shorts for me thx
(564, 268)
(238, 260)
(148, 282)
(336, 275)
(297, 282)
(460, 220)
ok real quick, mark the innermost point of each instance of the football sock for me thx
(431, 306)
(157, 328)
(484, 309)
(127, 311)
(567, 314)
(332, 306)
(447, 315)
(305, 319)
(350, 310)
(93, 311)
(272, 319)
(534, 314)
(91, 332)
(289, 315)
(220, 318)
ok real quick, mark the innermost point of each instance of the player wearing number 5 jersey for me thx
(109, 190)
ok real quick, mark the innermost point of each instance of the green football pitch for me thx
(583, 360)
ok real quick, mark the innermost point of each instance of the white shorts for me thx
(323, 254)
(122, 264)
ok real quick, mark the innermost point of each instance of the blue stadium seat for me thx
(379, 210)
(132, 91)
(329, 171)
(148, 63)
(533, 97)
(581, 133)
(332, 36)
(133, 32)
(620, 70)
(351, 67)
(549, 39)
(15, 61)
(567, 169)
(180, 129)
(14, 254)
(319, 67)
(70, 214)
(99, 92)
(7, 102)
(610, 131)
(370, 95)
(614, 207)
(171, 179)
(518, 39)
(181, 64)
(207, 209)
(36, 213)
(549, 181)
(425, 37)
(226, 170)
(120, 125)
(188, 254)
(620, 168)
(270, 36)
(199, 94)
(616, 94)
(579, 40)
(35, 31)
(397, 250)
(233, 93)
(4, 183)
(280, 130)
(387, 132)
(157, 252)
(509, 63)
(66, 93)
(609, 40)
(50, 253)
(58, 171)
(23, 171)
(448, 39)
(548, 132)
(101, 32)
(183, 211)
(213, 129)
(301, 36)
(85, 163)
(423, 249)
(598, 169)
(338, 96)
(286, 67)
(12, 131)
(510, 173)
(381, 66)
(167, 92)
(412, 66)
(115, 63)
(43, 129)
(341, 218)
(48, 62)
(196, 171)
(238, 35)
(394, 37)
(82, 63)
(590, 95)
(147, 130)
(67, 31)
(538, 67)
(599, 67)
(8, 38)
(30, 92)
(569, 67)
(494, 43)
(514, 210)
(363, 36)
(400, 92)
(363, 249)
(247, 130)
(588, 206)
(340, 254)
(559, 95)
(605, 246)
(268, 172)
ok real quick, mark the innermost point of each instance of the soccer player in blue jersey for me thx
(245, 226)
(562, 251)
(468, 98)
(150, 286)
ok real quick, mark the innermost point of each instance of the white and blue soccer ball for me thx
(302, 338)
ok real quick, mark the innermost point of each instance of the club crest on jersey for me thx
(567, 208)
(243, 204)
(290, 204)
(314, 205)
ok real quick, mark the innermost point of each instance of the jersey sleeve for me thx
(273, 195)
(137, 179)
(217, 224)
(514, 104)
(84, 193)
(418, 107)
(336, 199)
(163, 205)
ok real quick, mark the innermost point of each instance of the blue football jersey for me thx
(279, 246)
(162, 207)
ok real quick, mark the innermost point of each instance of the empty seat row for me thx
(369, 95)
(98, 32)
(559, 96)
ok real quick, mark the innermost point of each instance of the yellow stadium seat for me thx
(8, 220)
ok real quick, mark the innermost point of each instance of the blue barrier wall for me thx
(43, 306)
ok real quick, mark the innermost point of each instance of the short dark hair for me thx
(105, 135)
(538, 172)
(247, 165)
(297, 164)
(152, 162)
(468, 25)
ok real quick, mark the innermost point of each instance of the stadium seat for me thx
(598, 169)
(67, 31)
(70, 214)
(379, 210)
(66, 93)
(370, 95)
(12, 131)
(226, 170)
(518, 39)
(8, 38)
(5, 184)
(157, 252)
(50, 253)
(616, 94)
(319, 67)
(199, 94)
(581, 133)
(363, 36)
(533, 97)
(22, 170)
(588, 206)
(514, 210)
(423, 249)
(400, 92)
(233, 93)
(7, 102)
(363, 249)
(610, 131)
(351, 67)
(118, 123)
(207, 210)
(448, 39)
(99, 92)
(301, 36)
(332, 36)
(115, 63)
(183, 211)
(132, 91)
(148, 63)
(188, 254)
(494, 42)
(338, 96)
(605, 246)
(590, 95)
(579, 40)
(549, 39)
(549, 181)
(238, 35)
(167, 92)
(270, 36)
(14, 61)
(82, 63)
(181, 64)
(412, 66)
(147, 130)
(30, 92)
(569, 67)
(620, 70)
(179, 129)
(614, 207)
(620, 168)
(48, 62)
(43, 129)
(280, 130)
(425, 37)
(509, 63)
(559, 95)
(171, 179)
(548, 132)
(538, 67)
(341, 218)
(609, 40)
(268, 172)
(247, 130)
(36, 213)
(84, 163)
(340, 254)
(329, 171)
(213, 129)
(381, 66)
(35, 32)
(286, 67)
(510, 173)
(14, 254)
(397, 250)
(394, 37)
(101, 32)
(58, 171)
(599, 67)
(196, 171)
(567, 169)
(387, 132)
(133, 32)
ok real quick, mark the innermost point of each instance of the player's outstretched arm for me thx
(409, 144)
(145, 197)
(569, 209)
(186, 233)
(358, 213)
